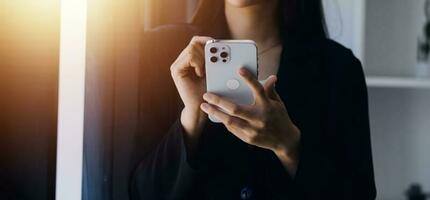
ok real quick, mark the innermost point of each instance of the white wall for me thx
(392, 29)
(400, 118)
(400, 123)
(345, 23)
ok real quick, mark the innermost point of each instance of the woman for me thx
(307, 139)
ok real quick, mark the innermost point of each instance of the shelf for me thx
(398, 82)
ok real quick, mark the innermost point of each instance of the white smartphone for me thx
(223, 59)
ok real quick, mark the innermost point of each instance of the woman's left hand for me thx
(265, 124)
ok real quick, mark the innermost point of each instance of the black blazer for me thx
(323, 86)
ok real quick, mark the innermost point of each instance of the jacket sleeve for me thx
(338, 163)
(170, 171)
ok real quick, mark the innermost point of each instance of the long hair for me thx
(298, 18)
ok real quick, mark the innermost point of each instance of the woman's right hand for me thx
(188, 73)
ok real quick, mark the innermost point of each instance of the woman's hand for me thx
(188, 73)
(266, 123)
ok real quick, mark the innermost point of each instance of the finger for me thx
(196, 61)
(236, 126)
(192, 56)
(200, 40)
(256, 88)
(270, 82)
(227, 120)
(189, 58)
(228, 106)
(269, 87)
(239, 133)
(196, 49)
(246, 134)
(197, 44)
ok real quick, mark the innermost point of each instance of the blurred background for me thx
(390, 37)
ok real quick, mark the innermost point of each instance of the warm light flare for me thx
(29, 29)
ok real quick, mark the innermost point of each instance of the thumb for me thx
(269, 87)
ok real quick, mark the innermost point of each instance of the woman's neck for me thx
(257, 22)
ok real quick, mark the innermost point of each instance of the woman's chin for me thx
(243, 3)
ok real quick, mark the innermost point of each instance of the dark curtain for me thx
(114, 141)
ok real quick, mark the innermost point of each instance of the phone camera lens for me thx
(213, 50)
(224, 60)
(224, 55)
(214, 59)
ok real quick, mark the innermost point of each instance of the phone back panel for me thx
(222, 76)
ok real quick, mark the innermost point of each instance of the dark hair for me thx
(298, 18)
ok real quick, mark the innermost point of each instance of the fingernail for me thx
(207, 96)
(204, 106)
(242, 71)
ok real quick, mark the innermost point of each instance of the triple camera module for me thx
(219, 54)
